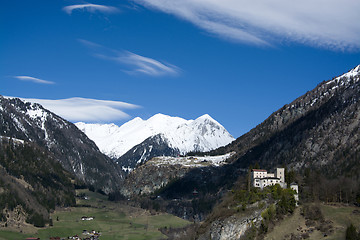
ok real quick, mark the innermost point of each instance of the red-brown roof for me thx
(259, 170)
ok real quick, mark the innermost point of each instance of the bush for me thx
(263, 227)
(116, 196)
(250, 234)
(287, 203)
(351, 233)
(312, 212)
(37, 220)
(101, 192)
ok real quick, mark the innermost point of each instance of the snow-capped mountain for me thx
(201, 134)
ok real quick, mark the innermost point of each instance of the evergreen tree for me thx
(351, 233)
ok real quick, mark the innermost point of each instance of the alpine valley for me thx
(193, 169)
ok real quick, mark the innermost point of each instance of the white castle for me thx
(261, 178)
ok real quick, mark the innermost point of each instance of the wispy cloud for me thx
(331, 24)
(131, 62)
(34, 80)
(145, 65)
(86, 109)
(91, 8)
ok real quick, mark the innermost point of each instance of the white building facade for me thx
(295, 188)
(261, 178)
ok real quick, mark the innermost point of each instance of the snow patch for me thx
(142, 157)
(81, 169)
(39, 116)
(127, 169)
(18, 123)
(195, 161)
(14, 140)
(347, 76)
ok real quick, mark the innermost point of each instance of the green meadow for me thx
(112, 220)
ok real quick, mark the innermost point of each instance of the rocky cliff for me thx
(233, 227)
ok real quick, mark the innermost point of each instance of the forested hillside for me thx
(32, 183)
(71, 147)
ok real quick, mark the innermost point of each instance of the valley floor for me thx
(112, 220)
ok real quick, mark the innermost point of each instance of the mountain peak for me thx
(159, 115)
(202, 134)
(356, 69)
(206, 117)
(352, 73)
(137, 119)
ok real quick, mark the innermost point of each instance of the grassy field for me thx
(114, 221)
(340, 215)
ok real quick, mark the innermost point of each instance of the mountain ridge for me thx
(71, 147)
(179, 133)
(289, 113)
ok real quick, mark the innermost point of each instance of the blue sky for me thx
(235, 60)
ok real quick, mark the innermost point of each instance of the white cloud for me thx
(145, 65)
(134, 63)
(91, 8)
(85, 109)
(329, 24)
(32, 79)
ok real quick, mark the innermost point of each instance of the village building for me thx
(261, 178)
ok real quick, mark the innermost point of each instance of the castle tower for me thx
(280, 173)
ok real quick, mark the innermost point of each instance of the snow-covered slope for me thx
(202, 134)
(193, 161)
